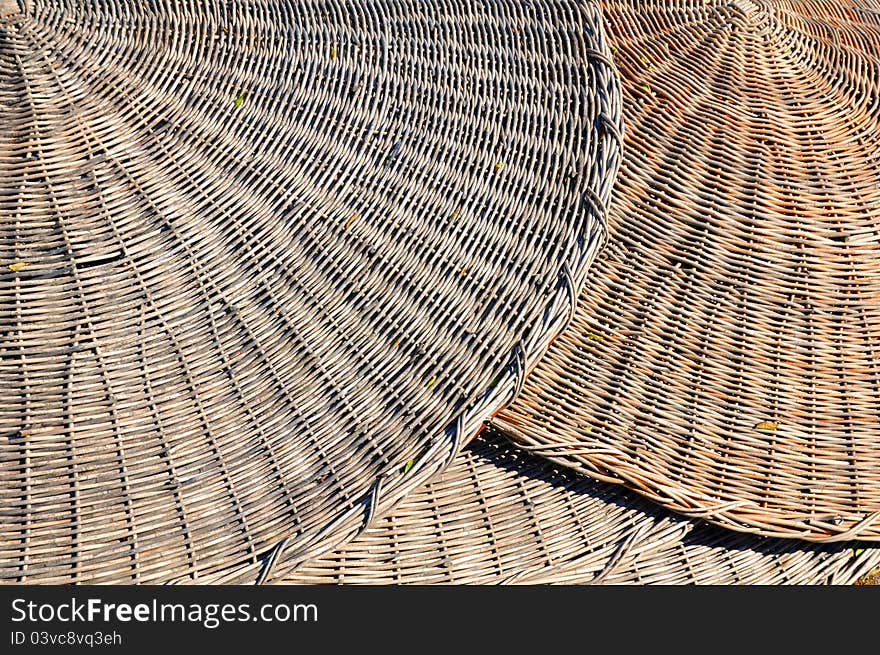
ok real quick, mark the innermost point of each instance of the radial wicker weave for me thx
(499, 515)
(725, 357)
(265, 266)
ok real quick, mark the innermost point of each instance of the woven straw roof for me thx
(264, 266)
(724, 357)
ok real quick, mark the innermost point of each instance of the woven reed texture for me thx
(725, 357)
(498, 515)
(265, 266)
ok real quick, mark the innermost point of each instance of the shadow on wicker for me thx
(498, 515)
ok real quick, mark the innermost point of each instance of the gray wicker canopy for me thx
(498, 515)
(725, 357)
(265, 266)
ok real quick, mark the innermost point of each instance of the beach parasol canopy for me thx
(265, 266)
(725, 357)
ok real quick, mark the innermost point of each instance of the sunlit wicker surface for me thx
(256, 257)
(725, 357)
(498, 515)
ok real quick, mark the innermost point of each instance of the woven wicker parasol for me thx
(499, 515)
(725, 356)
(265, 266)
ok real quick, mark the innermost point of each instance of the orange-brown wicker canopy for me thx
(725, 356)
(265, 266)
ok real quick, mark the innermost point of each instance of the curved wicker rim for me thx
(257, 262)
(724, 359)
(498, 515)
